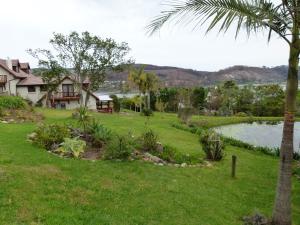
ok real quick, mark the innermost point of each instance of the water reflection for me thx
(266, 134)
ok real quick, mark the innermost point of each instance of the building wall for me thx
(10, 86)
(32, 96)
(75, 103)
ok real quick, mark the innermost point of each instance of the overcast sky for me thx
(30, 24)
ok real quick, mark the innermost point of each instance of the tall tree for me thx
(50, 70)
(90, 57)
(255, 16)
(145, 82)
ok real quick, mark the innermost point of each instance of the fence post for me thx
(233, 166)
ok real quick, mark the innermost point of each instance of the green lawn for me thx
(40, 188)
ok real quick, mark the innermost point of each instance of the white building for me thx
(16, 79)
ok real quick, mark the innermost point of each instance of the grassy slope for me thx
(40, 188)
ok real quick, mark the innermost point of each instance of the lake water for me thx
(259, 134)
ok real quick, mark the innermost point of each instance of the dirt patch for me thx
(92, 154)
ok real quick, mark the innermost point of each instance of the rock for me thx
(149, 157)
(4, 121)
(256, 219)
(160, 164)
(31, 136)
(177, 165)
(183, 165)
(208, 164)
(159, 147)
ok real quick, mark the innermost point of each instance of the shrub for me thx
(49, 136)
(192, 128)
(119, 148)
(116, 103)
(128, 103)
(212, 145)
(147, 112)
(72, 147)
(12, 102)
(100, 134)
(2, 112)
(171, 154)
(241, 114)
(149, 140)
(185, 114)
(82, 116)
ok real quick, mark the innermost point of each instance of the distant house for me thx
(16, 79)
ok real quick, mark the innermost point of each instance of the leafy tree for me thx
(214, 98)
(198, 98)
(269, 100)
(244, 100)
(50, 70)
(90, 58)
(229, 91)
(255, 16)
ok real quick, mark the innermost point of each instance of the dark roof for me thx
(21, 74)
(31, 80)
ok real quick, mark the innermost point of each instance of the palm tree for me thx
(134, 78)
(150, 83)
(145, 82)
(254, 15)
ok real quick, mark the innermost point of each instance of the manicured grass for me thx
(39, 188)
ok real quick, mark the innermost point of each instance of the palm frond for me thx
(253, 15)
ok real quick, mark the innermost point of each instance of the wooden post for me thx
(233, 166)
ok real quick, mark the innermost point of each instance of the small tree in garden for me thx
(212, 145)
(50, 70)
(116, 103)
(255, 15)
(185, 109)
(90, 58)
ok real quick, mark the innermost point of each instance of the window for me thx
(31, 88)
(16, 69)
(68, 90)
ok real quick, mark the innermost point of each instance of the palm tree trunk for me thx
(282, 213)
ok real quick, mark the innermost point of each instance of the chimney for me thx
(9, 63)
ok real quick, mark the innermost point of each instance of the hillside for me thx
(173, 76)
(178, 77)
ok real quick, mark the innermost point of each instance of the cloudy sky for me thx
(30, 24)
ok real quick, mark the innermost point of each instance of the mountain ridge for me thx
(178, 77)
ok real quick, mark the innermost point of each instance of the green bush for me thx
(83, 117)
(99, 133)
(127, 103)
(192, 128)
(50, 136)
(241, 114)
(212, 145)
(149, 141)
(2, 112)
(172, 155)
(12, 102)
(72, 147)
(119, 148)
(147, 112)
(116, 103)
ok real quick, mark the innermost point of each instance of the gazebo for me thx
(104, 104)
